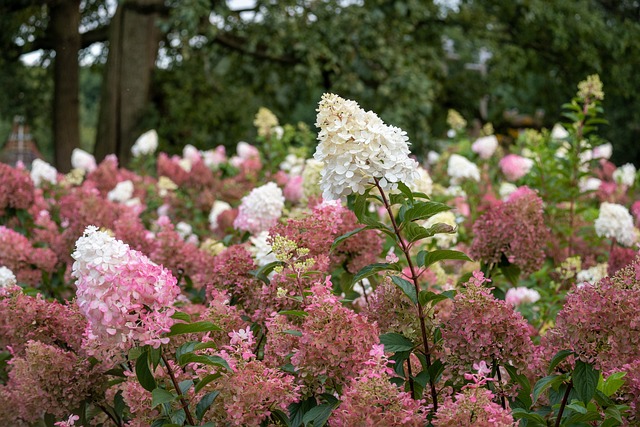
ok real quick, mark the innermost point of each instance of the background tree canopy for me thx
(198, 70)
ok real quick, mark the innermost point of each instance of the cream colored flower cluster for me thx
(357, 147)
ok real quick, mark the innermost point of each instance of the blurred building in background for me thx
(20, 147)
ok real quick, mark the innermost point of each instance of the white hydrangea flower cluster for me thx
(589, 184)
(146, 144)
(485, 146)
(260, 209)
(460, 168)
(603, 151)
(261, 249)
(625, 175)
(615, 222)
(218, 207)
(80, 159)
(521, 295)
(559, 132)
(356, 147)
(505, 190)
(423, 183)
(293, 164)
(122, 192)
(7, 278)
(42, 171)
(593, 275)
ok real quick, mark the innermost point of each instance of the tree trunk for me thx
(133, 47)
(65, 20)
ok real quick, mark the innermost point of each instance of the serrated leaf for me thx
(424, 210)
(160, 396)
(179, 315)
(263, 272)
(296, 313)
(407, 287)
(298, 409)
(318, 415)
(425, 259)
(394, 342)
(189, 328)
(345, 236)
(204, 359)
(372, 269)
(406, 191)
(433, 297)
(524, 394)
(143, 373)
(559, 357)
(544, 384)
(533, 419)
(585, 380)
(205, 403)
(206, 380)
(612, 383)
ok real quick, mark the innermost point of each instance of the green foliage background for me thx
(218, 66)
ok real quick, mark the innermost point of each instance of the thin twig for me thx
(184, 403)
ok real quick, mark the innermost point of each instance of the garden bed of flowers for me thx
(343, 284)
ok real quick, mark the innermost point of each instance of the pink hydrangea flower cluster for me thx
(260, 209)
(514, 229)
(601, 322)
(27, 262)
(335, 341)
(480, 327)
(371, 400)
(392, 311)
(180, 256)
(16, 191)
(45, 379)
(515, 167)
(127, 299)
(473, 407)
(26, 318)
(251, 391)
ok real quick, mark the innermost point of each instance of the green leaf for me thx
(511, 272)
(205, 403)
(143, 373)
(346, 236)
(264, 271)
(160, 396)
(533, 419)
(425, 259)
(394, 342)
(424, 210)
(298, 409)
(318, 415)
(189, 328)
(296, 313)
(406, 191)
(612, 383)
(585, 380)
(407, 287)
(179, 315)
(185, 385)
(178, 417)
(559, 357)
(372, 269)
(206, 380)
(545, 383)
(524, 394)
(429, 296)
(360, 205)
(436, 369)
(292, 332)
(205, 360)
(415, 232)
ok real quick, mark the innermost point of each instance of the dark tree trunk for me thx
(133, 47)
(65, 20)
